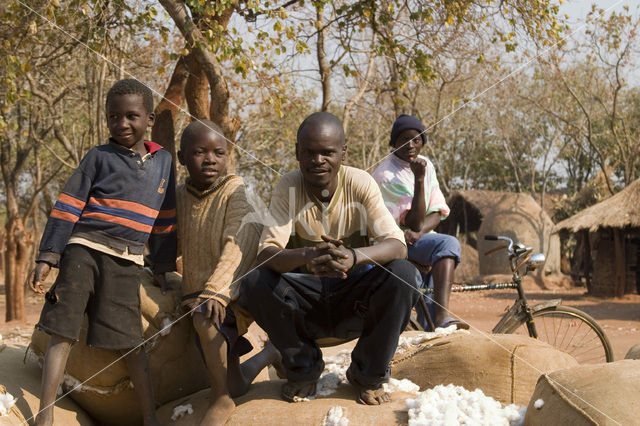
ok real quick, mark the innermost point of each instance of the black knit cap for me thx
(406, 122)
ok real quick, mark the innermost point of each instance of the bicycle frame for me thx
(519, 256)
(521, 310)
(521, 313)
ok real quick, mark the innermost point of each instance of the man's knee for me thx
(202, 324)
(402, 281)
(256, 286)
(448, 247)
(451, 244)
(405, 272)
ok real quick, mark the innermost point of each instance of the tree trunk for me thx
(210, 66)
(219, 110)
(197, 90)
(163, 131)
(16, 262)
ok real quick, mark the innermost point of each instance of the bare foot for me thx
(298, 391)
(219, 411)
(366, 396)
(373, 396)
(44, 417)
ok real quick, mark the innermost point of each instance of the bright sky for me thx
(578, 9)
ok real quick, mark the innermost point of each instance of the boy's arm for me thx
(426, 214)
(163, 240)
(66, 211)
(38, 275)
(415, 217)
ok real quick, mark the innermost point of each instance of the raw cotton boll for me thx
(407, 342)
(335, 417)
(7, 401)
(404, 385)
(180, 411)
(445, 405)
(538, 404)
(166, 326)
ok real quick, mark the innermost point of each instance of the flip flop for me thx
(369, 396)
(298, 391)
(448, 321)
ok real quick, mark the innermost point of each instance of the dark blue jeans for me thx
(295, 309)
(428, 250)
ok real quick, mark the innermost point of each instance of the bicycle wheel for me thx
(570, 330)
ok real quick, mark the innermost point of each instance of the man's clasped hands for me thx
(330, 258)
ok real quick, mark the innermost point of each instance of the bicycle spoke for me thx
(571, 331)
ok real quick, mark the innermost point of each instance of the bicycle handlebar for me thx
(500, 237)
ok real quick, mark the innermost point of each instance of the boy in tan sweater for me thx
(217, 250)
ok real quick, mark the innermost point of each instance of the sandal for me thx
(298, 391)
(448, 321)
(368, 396)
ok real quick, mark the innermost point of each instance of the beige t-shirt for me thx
(356, 213)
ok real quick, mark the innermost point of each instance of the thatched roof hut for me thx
(476, 213)
(608, 235)
(618, 211)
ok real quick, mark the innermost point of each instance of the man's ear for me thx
(344, 151)
(181, 157)
(297, 155)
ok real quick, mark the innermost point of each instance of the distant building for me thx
(476, 213)
(608, 252)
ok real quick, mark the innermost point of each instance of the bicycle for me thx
(563, 327)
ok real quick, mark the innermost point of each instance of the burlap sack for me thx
(263, 406)
(22, 381)
(504, 366)
(600, 394)
(634, 352)
(177, 369)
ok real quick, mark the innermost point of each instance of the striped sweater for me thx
(116, 199)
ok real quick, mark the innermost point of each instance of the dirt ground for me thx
(620, 318)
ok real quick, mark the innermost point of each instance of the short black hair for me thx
(195, 128)
(130, 86)
(322, 118)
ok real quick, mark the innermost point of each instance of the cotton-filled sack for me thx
(504, 366)
(598, 394)
(633, 353)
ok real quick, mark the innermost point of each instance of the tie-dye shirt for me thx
(396, 182)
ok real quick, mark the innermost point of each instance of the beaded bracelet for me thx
(355, 258)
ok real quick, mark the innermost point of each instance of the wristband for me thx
(355, 258)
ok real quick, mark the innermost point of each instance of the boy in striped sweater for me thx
(121, 196)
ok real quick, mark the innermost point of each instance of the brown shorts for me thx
(237, 345)
(104, 287)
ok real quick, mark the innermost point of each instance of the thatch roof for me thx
(618, 211)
